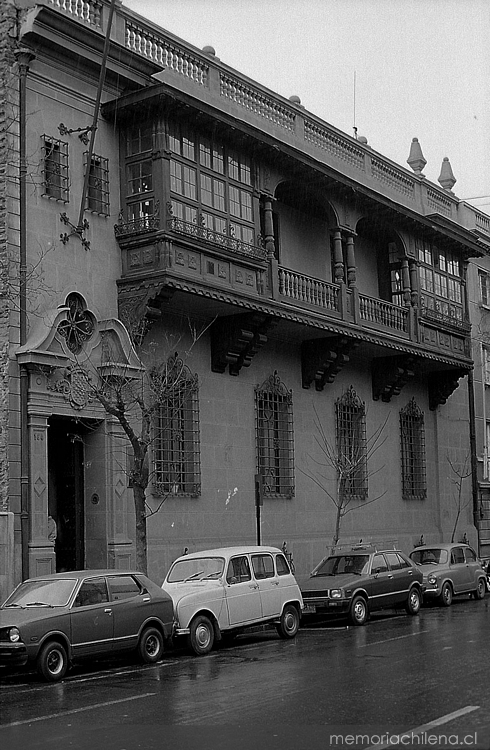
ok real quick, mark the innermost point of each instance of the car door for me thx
(268, 583)
(381, 583)
(92, 624)
(129, 609)
(242, 592)
(474, 567)
(459, 570)
(402, 573)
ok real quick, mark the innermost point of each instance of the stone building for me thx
(161, 210)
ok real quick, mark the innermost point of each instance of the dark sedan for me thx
(51, 621)
(357, 580)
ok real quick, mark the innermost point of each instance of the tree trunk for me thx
(140, 513)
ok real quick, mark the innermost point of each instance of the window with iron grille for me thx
(55, 168)
(484, 288)
(98, 185)
(350, 433)
(176, 450)
(412, 433)
(274, 435)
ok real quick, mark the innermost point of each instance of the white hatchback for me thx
(219, 592)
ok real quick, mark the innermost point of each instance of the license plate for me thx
(309, 609)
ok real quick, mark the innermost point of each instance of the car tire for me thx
(481, 588)
(359, 611)
(52, 661)
(446, 595)
(414, 601)
(201, 635)
(151, 645)
(288, 625)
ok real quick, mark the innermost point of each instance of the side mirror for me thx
(232, 580)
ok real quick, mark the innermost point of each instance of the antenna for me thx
(354, 98)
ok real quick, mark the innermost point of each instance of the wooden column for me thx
(338, 257)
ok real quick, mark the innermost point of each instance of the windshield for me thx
(42, 593)
(338, 564)
(430, 556)
(196, 569)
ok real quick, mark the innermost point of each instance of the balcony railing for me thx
(137, 226)
(216, 238)
(309, 290)
(89, 11)
(447, 320)
(381, 313)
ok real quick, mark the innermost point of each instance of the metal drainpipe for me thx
(24, 57)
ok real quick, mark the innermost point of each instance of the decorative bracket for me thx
(236, 339)
(442, 385)
(75, 230)
(322, 360)
(82, 132)
(390, 374)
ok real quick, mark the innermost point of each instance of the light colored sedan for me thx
(219, 592)
(450, 570)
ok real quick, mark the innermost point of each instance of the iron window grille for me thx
(412, 431)
(350, 433)
(97, 199)
(274, 437)
(55, 169)
(176, 446)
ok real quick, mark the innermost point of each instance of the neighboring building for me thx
(307, 283)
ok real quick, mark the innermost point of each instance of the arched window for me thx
(274, 430)
(350, 413)
(412, 432)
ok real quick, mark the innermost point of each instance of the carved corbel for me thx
(442, 385)
(236, 339)
(390, 374)
(322, 359)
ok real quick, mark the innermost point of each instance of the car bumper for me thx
(431, 592)
(326, 607)
(14, 654)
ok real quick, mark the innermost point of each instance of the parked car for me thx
(354, 581)
(54, 620)
(450, 570)
(219, 592)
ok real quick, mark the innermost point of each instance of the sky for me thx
(394, 69)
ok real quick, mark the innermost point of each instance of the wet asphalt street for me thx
(422, 679)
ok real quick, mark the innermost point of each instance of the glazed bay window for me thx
(55, 169)
(350, 434)
(211, 188)
(140, 200)
(274, 437)
(412, 434)
(176, 450)
(440, 281)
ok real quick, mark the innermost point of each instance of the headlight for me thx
(14, 635)
(432, 579)
(336, 593)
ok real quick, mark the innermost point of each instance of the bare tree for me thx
(337, 471)
(461, 472)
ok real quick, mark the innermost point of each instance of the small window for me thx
(238, 570)
(470, 555)
(403, 563)
(55, 169)
(393, 560)
(97, 199)
(92, 591)
(123, 587)
(484, 288)
(263, 566)
(379, 564)
(282, 566)
(457, 556)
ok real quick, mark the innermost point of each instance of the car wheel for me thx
(151, 645)
(288, 625)
(201, 636)
(480, 589)
(359, 611)
(52, 661)
(414, 602)
(446, 596)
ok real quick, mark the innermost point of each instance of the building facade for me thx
(162, 212)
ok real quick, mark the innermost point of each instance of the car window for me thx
(430, 556)
(238, 570)
(393, 560)
(263, 566)
(457, 555)
(282, 566)
(92, 591)
(404, 563)
(470, 555)
(379, 564)
(123, 587)
(39, 593)
(195, 568)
